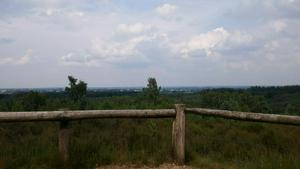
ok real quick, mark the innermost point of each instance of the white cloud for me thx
(58, 12)
(50, 12)
(133, 28)
(139, 47)
(6, 60)
(136, 47)
(241, 65)
(267, 39)
(204, 42)
(118, 48)
(26, 58)
(165, 9)
(278, 25)
(115, 51)
(77, 58)
(238, 38)
(109, 51)
(19, 61)
(289, 1)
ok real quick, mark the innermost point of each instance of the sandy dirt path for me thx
(164, 166)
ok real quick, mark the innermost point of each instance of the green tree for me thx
(152, 91)
(33, 101)
(77, 91)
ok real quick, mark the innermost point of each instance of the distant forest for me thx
(276, 100)
(211, 143)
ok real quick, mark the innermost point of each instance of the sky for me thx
(115, 43)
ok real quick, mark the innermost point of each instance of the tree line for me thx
(281, 100)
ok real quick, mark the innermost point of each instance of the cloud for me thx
(137, 49)
(145, 46)
(205, 42)
(238, 38)
(6, 60)
(52, 12)
(181, 38)
(241, 65)
(20, 61)
(78, 58)
(165, 9)
(26, 58)
(133, 28)
(112, 51)
(128, 43)
(278, 25)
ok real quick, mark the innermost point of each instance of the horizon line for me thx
(175, 86)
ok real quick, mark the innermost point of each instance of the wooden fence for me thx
(178, 128)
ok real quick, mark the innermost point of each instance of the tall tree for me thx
(152, 91)
(76, 91)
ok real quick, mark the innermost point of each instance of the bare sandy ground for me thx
(164, 166)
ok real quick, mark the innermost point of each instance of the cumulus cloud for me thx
(165, 9)
(107, 33)
(131, 49)
(115, 51)
(241, 65)
(78, 58)
(26, 58)
(124, 50)
(6, 60)
(143, 44)
(53, 12)
(240, 38)
(19, 61)
(278, 25)
(204, 42)
(133, 28)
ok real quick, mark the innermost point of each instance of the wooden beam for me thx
(84, 114)
(63, 140)
(247, 116)
(178, 134)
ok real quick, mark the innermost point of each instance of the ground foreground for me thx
(164, 166)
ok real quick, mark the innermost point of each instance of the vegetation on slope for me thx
(210, 142)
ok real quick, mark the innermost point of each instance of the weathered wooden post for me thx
(178, 134)
(63, 140)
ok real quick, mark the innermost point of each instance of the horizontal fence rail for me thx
(247, 116)
(84, 114)
(178, 127)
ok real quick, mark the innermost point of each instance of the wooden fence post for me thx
(178, 134)
(63, 140)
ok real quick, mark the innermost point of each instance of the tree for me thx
(152, 91)
(76, 91)
(33, 101)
